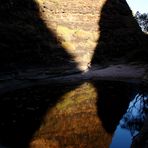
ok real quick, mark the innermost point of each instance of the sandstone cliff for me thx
(37, 33)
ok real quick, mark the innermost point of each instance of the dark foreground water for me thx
(131, 122)
(90, 114)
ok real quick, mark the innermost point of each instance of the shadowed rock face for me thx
(53, 33)
(25, 40)
(120, 36)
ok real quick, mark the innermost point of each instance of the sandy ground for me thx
(126, 73)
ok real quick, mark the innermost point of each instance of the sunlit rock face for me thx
(75, 24)
(92, 31)
(68, 33)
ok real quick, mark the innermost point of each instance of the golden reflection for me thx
(73, 122)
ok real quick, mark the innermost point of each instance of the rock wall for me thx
(91, 30)
(75, 24)
(65, 33)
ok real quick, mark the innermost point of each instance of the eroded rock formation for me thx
(53, 33)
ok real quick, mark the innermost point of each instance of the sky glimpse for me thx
(138, 5)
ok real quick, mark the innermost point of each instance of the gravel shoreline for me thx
(120, 72)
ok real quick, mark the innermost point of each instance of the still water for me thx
(131, 122)
(98, 114)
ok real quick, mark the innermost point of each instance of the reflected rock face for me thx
(73, 122)
(63, 115)
(86, 116)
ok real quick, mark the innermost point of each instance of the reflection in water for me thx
(73, 122)
(132, 121)
(86, 117)
(136, 114)
(121, 138)
(64, 116)
(113, 101)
